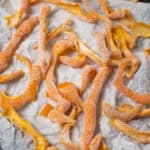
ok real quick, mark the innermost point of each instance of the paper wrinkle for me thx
(12, 139)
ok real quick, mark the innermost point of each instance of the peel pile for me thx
(115, 47)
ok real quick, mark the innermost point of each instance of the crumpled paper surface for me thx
(12, 138)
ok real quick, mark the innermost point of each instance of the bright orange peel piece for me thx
(45, 110)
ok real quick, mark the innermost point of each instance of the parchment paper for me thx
(12, 138)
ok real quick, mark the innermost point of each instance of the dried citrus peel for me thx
(112, 112)
(88, 73)
(11, 77)
(135, 96)
(15, 19)
(29, 93)
(52, 91)
(140, 136)
(70, 92)
(40, 143)
(90, 107)
(73, 8)
(23, 30)
(43, 32)
(65, 133)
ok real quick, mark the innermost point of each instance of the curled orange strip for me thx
(70, 92)
(44, 11)
(90, 107)
(104, 51)
(15, 19)
(40, 143)
(73, 8)
(88, 73)
(11, 77)
(140, 136)
(118, 82)
(112, 112)
(23, 30)
(51, 89)
(65, 133)
(30, 92)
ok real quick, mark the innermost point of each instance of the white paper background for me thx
(12, 139)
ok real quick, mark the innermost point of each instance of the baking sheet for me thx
(13, 139)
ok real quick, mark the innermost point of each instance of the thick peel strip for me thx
(112, 112)
(138, 135)
(23, 30)
(88, 73)
(118, 82)
(16, 18)
(65, 133)
(11, 77)
(90, 107)
(70, 92)
(51, 89)
(40, 143)
(43, 32)
(30, 92)
(73, 8)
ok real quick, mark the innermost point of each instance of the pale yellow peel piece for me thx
(140, 136)
(29, 93)
(15, 19)
(90, 107)
(43, 32)
(11, 77)
(40, 143)
(23, 30)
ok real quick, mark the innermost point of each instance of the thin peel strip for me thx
(138, 135)
(112, 112)
(23, 30)
(88, 73)
(15, 19)
(29, 93)
(135, 96)
(40, 143)
(12, 76)
(45, 110)
(90, 107)
(73, 8)
(43, 32)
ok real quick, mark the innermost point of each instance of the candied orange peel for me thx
(12, 76)
(44, 11)
(112, 112)
(118, 82)
(23, 30)
(29, 93)
(138, 135)
(90, 107)
(16, 18)
(40, 143)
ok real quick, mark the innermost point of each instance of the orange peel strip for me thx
(135, 96)
(70, 92)
(51, 90)
(30, 92)
(88, 73)
(44, 11)
(138, 135)
(15, 19)
(65, 133)
(141, 29)
(40, 143)
(112, 112)
(104, 51)
(75, 62)
(23, 30)
(96, 142)
(90, 107)
(73, 8)
(11, 77)
(45, 110)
